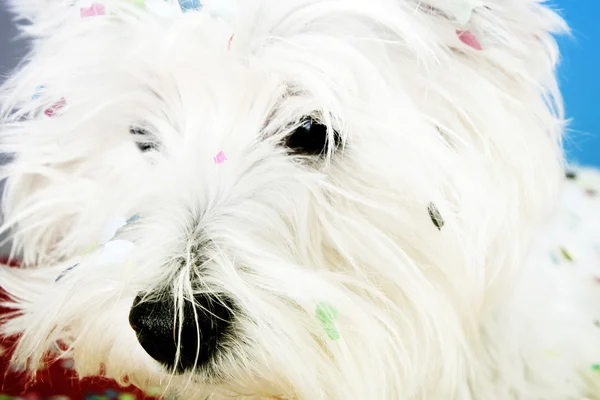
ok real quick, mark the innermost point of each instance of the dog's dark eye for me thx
(142, 138)
(310, 138)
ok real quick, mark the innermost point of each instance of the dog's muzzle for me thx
(198, 330)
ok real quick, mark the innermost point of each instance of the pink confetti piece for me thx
(220, 158)
(469, 39)
(230, 41)
(597, 279)
(93, 10)
(54, 109)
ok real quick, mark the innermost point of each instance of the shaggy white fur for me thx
(467, 130)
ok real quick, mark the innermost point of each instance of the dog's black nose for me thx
(160, 330)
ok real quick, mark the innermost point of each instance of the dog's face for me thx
(313, 199)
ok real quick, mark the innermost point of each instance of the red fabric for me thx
(58, 381)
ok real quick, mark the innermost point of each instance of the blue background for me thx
(579, 75)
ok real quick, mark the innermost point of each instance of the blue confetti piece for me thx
(190, 5)
(38, 92)
(554, 259)
(62, 274)
(133, 219)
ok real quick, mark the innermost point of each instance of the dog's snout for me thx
(197, 328)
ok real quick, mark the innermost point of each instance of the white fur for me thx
(423, 313)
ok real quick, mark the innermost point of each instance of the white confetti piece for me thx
(226, 9)
(462, 10)
(115, 251)
(161, 8)
(111, 228)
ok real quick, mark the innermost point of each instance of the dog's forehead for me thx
(193, 54)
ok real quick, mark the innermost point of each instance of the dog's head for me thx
(298, 199)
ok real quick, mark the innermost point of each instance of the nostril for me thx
(134, 316)
(199, 335)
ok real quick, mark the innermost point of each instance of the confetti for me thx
(134, 218)
(138, 3)
(596, 367)
(154, 391)
(65, 272)
(230, 41)
(597, 323)
(94, 10)
(161, 8)
(38, 92)
(327, 314)
(115, 251)
(67, 364)
(566, 254)
(462, 10)
(572, 175)
(89, 249)
(435, 216)
(111, 228)
(468, 38)
(126, 396)
(591, 192)
(190, 5)
(220, 158)
(54, 109)
(226, 9)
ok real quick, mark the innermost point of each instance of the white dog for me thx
(295, 199)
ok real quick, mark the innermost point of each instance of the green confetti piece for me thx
(126, 396)
(89, 249)
(566, 254)
(596, 367)
(139, 3)
(597, 323)
(327, 314)
(154, 391)
(435, 216)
